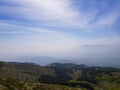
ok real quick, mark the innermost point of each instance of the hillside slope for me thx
(23, 71)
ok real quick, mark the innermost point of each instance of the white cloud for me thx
(108, 19)
(59, 13)
(11, 28)
(51, 11)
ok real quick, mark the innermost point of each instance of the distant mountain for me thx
(45, 60)
(41, 60)
(62, 65)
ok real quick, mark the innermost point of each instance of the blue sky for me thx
(60, 28)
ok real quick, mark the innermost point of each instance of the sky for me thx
(63, 28)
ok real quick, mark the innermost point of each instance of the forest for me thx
(57, 76)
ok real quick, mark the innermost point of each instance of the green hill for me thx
(23, 71)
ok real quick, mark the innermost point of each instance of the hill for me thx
(91, 78)
(57, 76)
(23, 71)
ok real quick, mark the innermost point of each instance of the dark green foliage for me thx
(47, 79)
(1, 64)
(81, 85)
(53, 79)
(62, 65)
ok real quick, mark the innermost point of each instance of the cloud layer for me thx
(62, 12)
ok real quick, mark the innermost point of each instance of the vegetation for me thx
(90, 78)
(13, 84)
(24, 71)
(57, 76)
